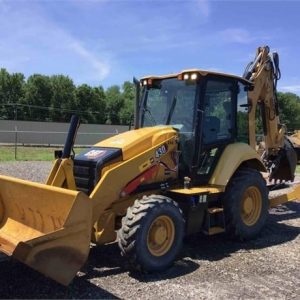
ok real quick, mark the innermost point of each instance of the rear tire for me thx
(245, 204)
(151, 234)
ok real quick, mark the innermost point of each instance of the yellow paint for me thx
(137, 141)
(45, 227)
(215, 230)
(109, 166)
(53, 171)
(108, 190)
(232, 157)
(105, 228)
(251, 206)
(61, 174)
(49, 227)
(144, 166)
(263, 92)
(107, 194)
(215, 210)
(292, 196)
(295, 139)
(199, 190)
(161, 235)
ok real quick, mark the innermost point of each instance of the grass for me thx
(7, 153)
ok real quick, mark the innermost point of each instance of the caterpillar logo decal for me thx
(95, 154)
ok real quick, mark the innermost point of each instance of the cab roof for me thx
(201, 72)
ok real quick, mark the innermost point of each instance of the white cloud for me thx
(291, 88)
(31, 43)
(100, 66)
(241, 36)
(236, 35)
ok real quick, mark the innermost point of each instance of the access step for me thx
(214, 230)
(215, 210)
(214, 221)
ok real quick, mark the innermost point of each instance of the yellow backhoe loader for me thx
(189, 165)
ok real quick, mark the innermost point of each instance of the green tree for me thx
(38, 95)
(4, 92)
(289, 108)
(127, 111)
(11, 93)
(114, 104)
(91, 104)
(63, 98)
(99, 104)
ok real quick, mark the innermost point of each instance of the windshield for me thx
(169, 102)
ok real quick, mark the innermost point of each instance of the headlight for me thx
(186, 77)
(194, 76)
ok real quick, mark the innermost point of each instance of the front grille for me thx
(89, 164)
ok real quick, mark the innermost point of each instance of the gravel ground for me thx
(209, 267)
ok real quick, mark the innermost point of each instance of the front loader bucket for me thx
(45, 227)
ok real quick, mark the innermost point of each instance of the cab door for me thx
(218, 99)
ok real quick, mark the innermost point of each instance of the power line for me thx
(49, 108)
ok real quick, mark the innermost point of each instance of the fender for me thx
(231, 159)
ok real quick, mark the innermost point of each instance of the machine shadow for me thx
(18, 281)
(217, 247)
(106, 261)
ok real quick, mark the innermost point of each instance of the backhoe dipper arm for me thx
(279, 156)
(264, 73)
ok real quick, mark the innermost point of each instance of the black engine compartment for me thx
(89, 164)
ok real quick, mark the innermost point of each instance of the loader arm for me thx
(61, 174)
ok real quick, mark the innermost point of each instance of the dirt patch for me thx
(208, 267)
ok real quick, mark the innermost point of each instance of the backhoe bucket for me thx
(45, 227)
(285, 165)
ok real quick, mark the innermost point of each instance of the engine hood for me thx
(139, 140)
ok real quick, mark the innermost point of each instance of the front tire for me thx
(245, 204)
(151, 234)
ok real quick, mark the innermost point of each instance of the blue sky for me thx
(105, 42)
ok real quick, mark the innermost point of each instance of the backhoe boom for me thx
(279, 156)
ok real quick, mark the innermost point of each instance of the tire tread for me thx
(232, 217)
(132, 222)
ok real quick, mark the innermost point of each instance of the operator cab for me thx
(209, 110)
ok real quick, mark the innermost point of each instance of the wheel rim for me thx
(161, 235)
(251, 205)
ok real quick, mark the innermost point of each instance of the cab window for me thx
(218, 111)
(242, 114)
